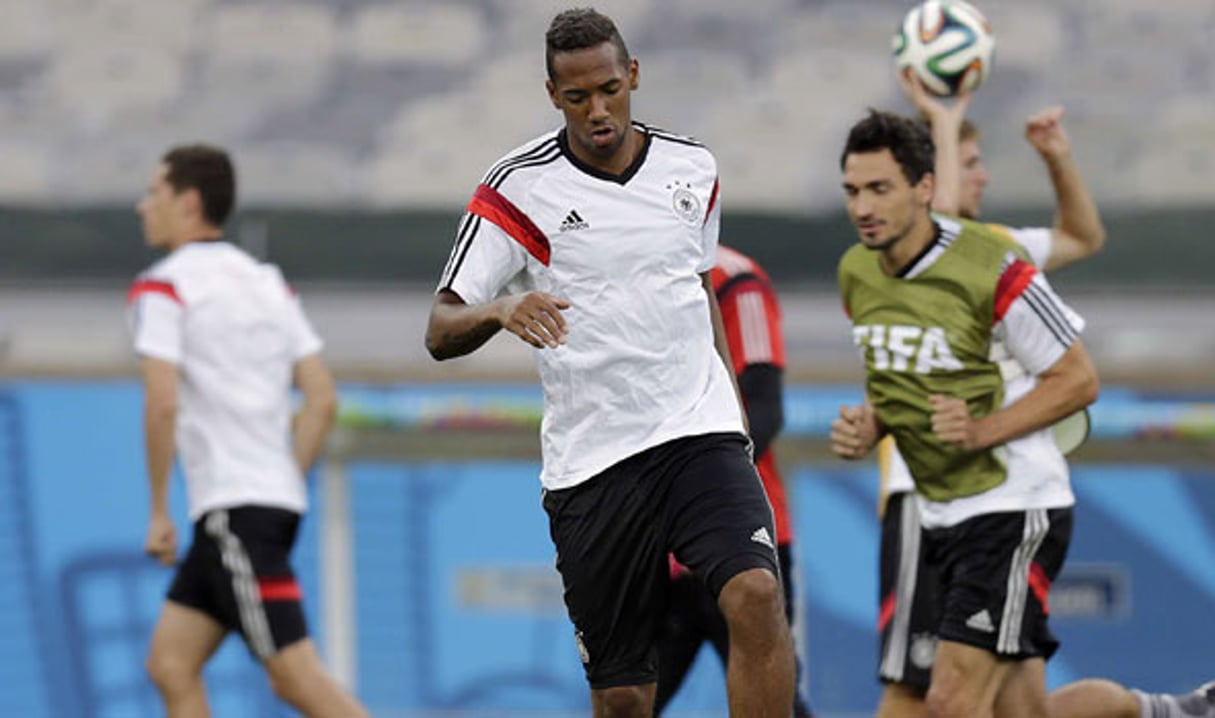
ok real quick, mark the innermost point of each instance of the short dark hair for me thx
(579, 29)
(909, 141)
(206, 169)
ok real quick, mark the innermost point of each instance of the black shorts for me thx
(996, 571)
(698, 497)
(237, 571)
(908, 600)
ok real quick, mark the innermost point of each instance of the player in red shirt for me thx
(751, 315)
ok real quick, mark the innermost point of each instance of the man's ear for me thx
(190, 200)
(552, 93)
(927, 187)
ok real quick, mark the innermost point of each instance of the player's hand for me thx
(936, 109)
(855, 432)
(1044, 130)
(161, 542)
(952, 422)
(535, 317)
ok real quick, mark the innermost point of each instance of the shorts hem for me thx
(636, 679)
(974, 643)
(920, 687)
(731, 567)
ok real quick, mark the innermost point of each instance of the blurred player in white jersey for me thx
(222, 339)
(593, 244)
(908, 593)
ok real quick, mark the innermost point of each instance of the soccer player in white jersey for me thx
(222, 339)
(594, 244)
(908, 586)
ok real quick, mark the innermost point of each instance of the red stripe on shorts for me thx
(887, 612)
(1039, 583)
(279, 589)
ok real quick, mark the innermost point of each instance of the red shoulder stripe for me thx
(712, 200)
(1012, 283)
(152, 286)
(490, 204)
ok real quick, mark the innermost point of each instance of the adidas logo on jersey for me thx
(573, 221)
(981, 621)
(761, 536)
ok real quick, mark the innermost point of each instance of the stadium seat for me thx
(812, 78)
(284, 33)
(730, 9)
(261, 87)
(26, 30)
(25, 174)
(420, 176)
(105, 82)
(679, 87)
(1042, 22)
(469, 114)
(171, 27)
(449, 35)
(521, 25)
(295, 174)
(758, 173)
(115, 171)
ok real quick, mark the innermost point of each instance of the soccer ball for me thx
(948, 44)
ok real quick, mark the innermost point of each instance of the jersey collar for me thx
(623, 177)
(927, 256)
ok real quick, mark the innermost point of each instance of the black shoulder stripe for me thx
(1050, 314)
(677, 139)
(553, 155)
(508, 162)
(461, 251)
(461, 237)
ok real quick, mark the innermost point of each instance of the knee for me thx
(169, 673)
(623, 702)
(944, 703)
(753, 595)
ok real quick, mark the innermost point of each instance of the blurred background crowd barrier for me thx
(360, 128)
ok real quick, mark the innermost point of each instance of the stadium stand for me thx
(330, 74)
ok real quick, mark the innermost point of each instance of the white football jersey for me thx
(235, 329)
(1037, 242)
(639, 366)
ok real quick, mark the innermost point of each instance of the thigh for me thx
(1023, 693)
(613, 564)
(966, 680)
(257, 588)
(185, 636)
(720, 523)
(909, 588)
(997, 570)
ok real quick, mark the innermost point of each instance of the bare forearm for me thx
(1075, 214)
(312, 424)
(159, 436)
(947, 188)
(459, 329)
(1052, 399)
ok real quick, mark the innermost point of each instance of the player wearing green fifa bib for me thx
(929, 298)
